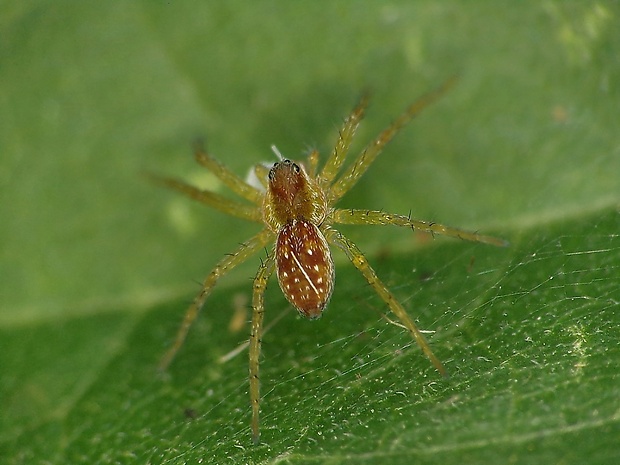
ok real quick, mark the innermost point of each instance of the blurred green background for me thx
(97, 265)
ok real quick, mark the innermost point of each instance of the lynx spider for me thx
(296, 208)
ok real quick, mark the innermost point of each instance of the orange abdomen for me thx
(304, 266)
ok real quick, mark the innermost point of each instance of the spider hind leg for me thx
(359, 261)
(256, 334)
(245, 251)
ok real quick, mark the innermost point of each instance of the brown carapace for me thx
(295, 204)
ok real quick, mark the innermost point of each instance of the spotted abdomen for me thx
(304, 266)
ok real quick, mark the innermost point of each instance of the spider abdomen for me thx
(305, 267)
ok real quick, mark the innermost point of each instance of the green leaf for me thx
(529, 335)
(97, 265)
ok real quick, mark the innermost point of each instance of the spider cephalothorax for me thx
(296, 207)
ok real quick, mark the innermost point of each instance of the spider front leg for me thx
(246, 250)
(352, 216)
(359, 261)
(313, 163)
(354, 172)
(258, 312)
(230, 179)
(211, 199)
(341, 149)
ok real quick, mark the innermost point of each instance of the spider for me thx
(296, 208)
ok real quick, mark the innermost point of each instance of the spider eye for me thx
(272, 172)
(296, 168)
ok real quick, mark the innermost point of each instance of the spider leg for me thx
(246, 250)
(346, 133)
(262, 173)
(313, 162)
(230, 179)
(344, 216)
(258, 312)
(213, 200)
(359, 261)
(352, 174)
(244, 345)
